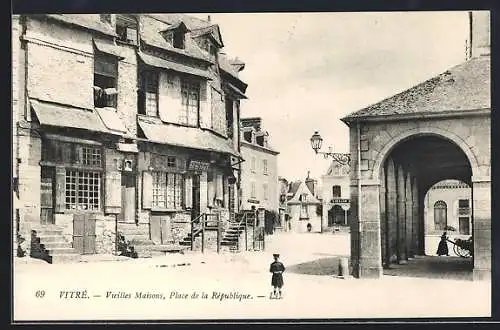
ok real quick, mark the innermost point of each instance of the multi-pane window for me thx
(463, 207)
(265, 191)
(126, 28)
(167, 190)
(440, 215)
(105, 80)
(190, 95)
(91, 156)
(463, 226)
(253, 193)
(171, 161)
(336, 191)
(82, 190)
(150, 85)
(253, 164)
(303, 211)
(264, 165)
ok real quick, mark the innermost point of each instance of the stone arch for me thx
(423, 131)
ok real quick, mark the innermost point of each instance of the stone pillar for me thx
(370, 261)
(391, 212)
(401, 201)
(203, 192)
(416, 223)
(481, 222)
(421, 224)
(409, 217)
(354, 229)
(324, 219)
(383, 220)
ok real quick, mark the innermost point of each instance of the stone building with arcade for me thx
(126, 128)
(405, 144)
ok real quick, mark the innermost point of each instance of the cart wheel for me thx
(463, 252)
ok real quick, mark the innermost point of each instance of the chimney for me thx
(310, 183)
(208, 19)
(479, 33)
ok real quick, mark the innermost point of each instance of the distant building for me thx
(447, 207)
(335, 195)
(259, 171)
(303, 206)
(283, 216)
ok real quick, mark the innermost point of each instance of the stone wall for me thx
(105, 231)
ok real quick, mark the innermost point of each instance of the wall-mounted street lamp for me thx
(317, 141)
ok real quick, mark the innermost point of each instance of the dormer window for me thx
(105, 18)
(126, 29)
(178, 39)
(209, 46)
(176, 35)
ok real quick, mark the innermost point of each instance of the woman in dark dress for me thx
(277, 268)
(443, 246)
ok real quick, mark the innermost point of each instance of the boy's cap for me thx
(276, 255)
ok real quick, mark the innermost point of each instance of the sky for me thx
(305, 71)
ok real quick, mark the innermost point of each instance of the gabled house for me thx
(303, 207)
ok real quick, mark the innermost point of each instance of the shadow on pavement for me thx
(323, 266)
(454, 268)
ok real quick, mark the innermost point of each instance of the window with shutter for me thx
(105, 80)
(126, 29)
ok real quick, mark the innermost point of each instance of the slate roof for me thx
(294, 186)
(151, 34)
(464, 87)
(188, 137)
(213, 30)
(84, 20)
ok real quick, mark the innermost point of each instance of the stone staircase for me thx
(137, 238)
(49, 244)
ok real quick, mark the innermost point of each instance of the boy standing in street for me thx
(277, 268)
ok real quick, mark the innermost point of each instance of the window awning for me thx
(236, 90)
(188, 137)
(111, 120)
(59, 115)
(168, 65)
(108, 48)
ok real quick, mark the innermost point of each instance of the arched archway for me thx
(337, 216)
(410, 169)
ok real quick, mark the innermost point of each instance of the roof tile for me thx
(461, 88)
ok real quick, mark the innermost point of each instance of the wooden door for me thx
(155, 228)
(127, 213)
(160, 227)
(47, 195)
(195, 212)
(84, 233)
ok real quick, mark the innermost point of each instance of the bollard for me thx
(343, 267)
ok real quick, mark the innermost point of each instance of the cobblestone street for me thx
(237, 286)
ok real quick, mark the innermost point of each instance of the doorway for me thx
(127, 213)
(47, 196)
(84, 233)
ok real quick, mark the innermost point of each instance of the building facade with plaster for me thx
(259, 171)
(126, 128)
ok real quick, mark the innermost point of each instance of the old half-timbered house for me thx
(125, 132)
